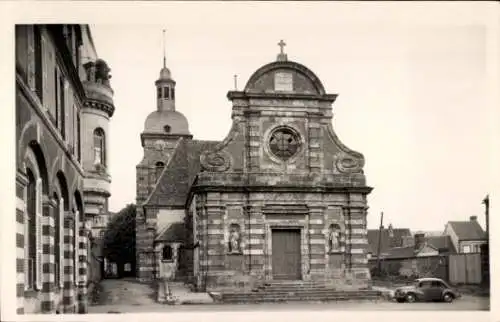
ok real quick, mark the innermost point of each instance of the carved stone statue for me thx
(333, 238)
(234, 239)
(102, 72)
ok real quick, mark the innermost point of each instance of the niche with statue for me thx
(234, 240)
(334, 242)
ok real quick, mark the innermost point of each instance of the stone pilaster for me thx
(21, 258)
(69, 278)
(318, 257)
(82, 268)
(48, 257)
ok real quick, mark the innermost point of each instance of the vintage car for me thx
(426, 289)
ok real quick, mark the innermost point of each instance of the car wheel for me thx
(400, 300)
(410, 298)
(447, 297)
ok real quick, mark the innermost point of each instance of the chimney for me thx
(419, 240)
(473, 218)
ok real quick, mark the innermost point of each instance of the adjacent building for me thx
(62, 105)
(280, 198)
(466, 236)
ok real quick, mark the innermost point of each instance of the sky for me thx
(414, 96)
(415, 83)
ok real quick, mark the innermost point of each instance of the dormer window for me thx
(167, 128)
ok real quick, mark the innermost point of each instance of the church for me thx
(280, 198)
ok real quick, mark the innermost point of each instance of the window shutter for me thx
(61, 243)
(76, 250)
(39, 248)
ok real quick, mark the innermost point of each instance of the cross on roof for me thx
(281, 44)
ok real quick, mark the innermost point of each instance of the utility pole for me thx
(486, 202)
(380, 240)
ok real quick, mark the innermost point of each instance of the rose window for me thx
(284, 143)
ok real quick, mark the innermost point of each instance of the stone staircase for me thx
(287, 291)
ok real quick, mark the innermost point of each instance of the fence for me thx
(455, 268)
(465, 268)
(413, 267)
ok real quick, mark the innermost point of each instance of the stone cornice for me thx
(281, 189)
(152, 136)
(100, 105)
(231, 95)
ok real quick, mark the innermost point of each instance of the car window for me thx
(436, 284)
(425, 284)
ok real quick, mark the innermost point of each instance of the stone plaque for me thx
(283, 82)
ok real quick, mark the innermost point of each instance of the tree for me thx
(119, 238)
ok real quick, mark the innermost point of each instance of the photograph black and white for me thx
(240, 157)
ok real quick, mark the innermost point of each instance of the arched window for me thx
(159, 169)
(167, 254)
(166, 92)
(99, 147)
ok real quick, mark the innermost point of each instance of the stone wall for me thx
(256, 214)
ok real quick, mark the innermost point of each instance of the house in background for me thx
(466, 236)
(390, 238)
(442, 243)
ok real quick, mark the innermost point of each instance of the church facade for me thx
(280, 198)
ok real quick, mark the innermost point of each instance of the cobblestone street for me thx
(129, 296)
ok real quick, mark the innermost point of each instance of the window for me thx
(159, 92)
(99, 147)
(466, 249)
(172, 93)
(62, 104)
(167, 128)
(167, 253)
(78, 136)
(31, 224)
(38, 63)
(166, 93)
(159, 168)
(284, 143)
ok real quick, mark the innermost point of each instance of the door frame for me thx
(304, 246)
(295, 230)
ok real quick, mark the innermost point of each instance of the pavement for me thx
(131, 296)
(117, 294)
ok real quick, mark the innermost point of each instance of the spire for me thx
(164, 72)
(282, 56)
(164, 51)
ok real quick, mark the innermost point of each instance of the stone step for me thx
(303, 296)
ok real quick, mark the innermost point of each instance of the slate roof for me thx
(399, 252)
(175, 232)
(467, 230)
(441, 243)
(386, 241)
(173, 186)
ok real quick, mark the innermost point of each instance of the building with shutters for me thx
(63, 106)
(280, 198)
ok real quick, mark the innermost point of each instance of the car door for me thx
(436, 290)
(426, 289)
